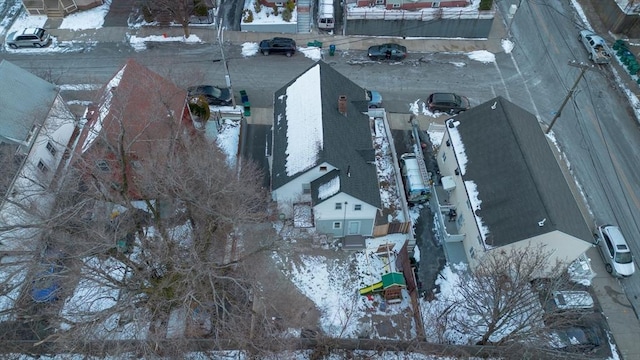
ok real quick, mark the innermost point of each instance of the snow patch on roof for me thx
(458, 145)
(304, 122)
(329, 189)
(105, 106)
(472, 191)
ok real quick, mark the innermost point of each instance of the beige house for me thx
(58, 8)
(501, 188)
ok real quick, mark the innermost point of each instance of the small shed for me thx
(392, 285)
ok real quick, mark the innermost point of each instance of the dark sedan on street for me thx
(213, 94)
(449, 103)
(387, 52)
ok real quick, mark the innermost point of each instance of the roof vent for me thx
(342, 104)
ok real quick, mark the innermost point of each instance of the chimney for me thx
(342, 104)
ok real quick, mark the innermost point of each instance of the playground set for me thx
(391, 281)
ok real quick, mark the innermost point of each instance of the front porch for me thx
(58, 8)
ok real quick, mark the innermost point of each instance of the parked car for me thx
(576, 338)
(278, 45)
(598, 50)
(387, 52)
(449, 103)
(29, 37)
(572, 300)
(374, 98)
(615, 252)
(213, 94)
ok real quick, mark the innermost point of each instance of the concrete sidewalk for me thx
(208, 34)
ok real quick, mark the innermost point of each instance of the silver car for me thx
(615, 252)
(29, 37)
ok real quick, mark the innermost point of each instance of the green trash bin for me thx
(332, 50)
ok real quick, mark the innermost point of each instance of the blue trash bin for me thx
(332, 50)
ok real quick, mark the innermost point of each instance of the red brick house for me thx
(139, 119)
(412, 5)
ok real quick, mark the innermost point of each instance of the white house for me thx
(322, 153)
(501, 187)
(35, 129)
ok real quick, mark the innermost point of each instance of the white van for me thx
(415, 184)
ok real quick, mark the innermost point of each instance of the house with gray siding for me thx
(36, 127)
(322, 154)
(501, 188)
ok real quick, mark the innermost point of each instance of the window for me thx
(459, 221)
(472, 253)
(435, 4)
(357, 207)
(396, 5)
(444, 157)
(379, 2)
(306, 188)
(323, 168)
(51, 149)
(103, 165)
(337, 225)
(338, 206)
(42, 167)
(31, 133)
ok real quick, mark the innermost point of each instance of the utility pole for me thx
(583, 68)
(227, 77)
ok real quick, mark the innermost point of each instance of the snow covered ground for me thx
(315, 277)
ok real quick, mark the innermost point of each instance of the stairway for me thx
(304, 16)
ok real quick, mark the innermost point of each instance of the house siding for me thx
(57, 131)
(563, 248)
(292, 191)
(325, 215)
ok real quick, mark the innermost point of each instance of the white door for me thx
(354, 227)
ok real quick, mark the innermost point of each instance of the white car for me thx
(572, 300)
(615, 252)
(29, 37)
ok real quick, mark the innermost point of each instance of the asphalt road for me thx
(596, 130)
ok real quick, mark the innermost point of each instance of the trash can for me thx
(332, 50)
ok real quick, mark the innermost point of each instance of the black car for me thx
(213, 94)
(278, 45)
(448, 103)
(387, 52)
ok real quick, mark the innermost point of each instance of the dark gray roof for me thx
(25, 99)
(346, 138)
(518, 179)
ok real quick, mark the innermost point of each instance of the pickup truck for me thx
(596, 46)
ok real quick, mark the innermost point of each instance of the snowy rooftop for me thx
(302, 151)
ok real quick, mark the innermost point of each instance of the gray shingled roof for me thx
(25, 99)
(346, 138)
(518, 178)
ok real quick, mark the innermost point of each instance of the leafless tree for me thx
(156, 249)
(504, 301)
(179, 10)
